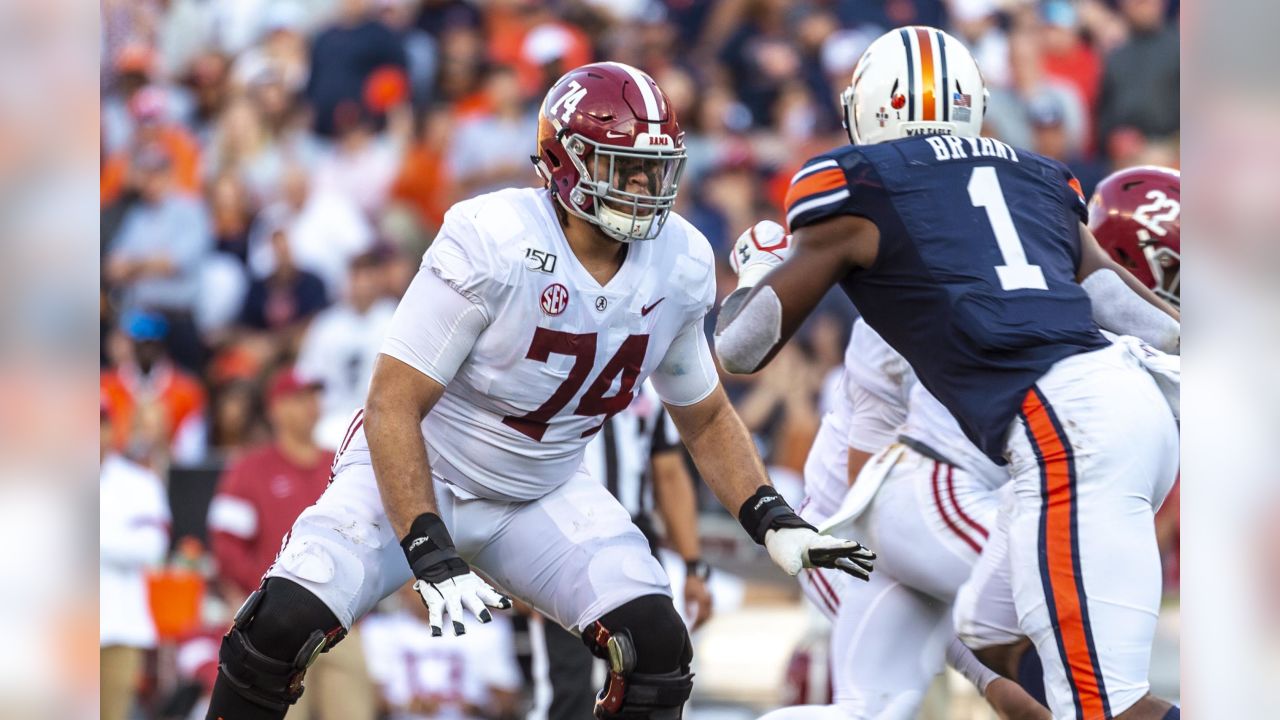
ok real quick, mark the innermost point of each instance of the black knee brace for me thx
(647, 647)
(279, 631)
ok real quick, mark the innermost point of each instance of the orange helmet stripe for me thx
(929, 103)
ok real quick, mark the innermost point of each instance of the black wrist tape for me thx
(430, 551)
(765, 511)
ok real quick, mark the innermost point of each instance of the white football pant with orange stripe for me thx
(927, 524)
(1093, 455)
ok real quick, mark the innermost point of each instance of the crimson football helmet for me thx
(611, 150)
(1136, 214)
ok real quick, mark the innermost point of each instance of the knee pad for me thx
(648, 650)
(279, 631)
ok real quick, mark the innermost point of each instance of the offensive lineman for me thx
(971, 259)
(534, 316)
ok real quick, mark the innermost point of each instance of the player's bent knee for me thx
(276, 635)
(648, 650)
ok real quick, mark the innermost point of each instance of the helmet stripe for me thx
(928, 85)
(646, 92)
(911, 76)
(946, 81)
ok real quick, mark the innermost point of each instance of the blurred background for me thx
(270, 173)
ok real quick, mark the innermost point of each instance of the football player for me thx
(891, 460)
(971, 258)
(533, 318)
(1135, 214)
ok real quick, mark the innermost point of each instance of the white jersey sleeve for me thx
(687, 373)
(434, 328)
(877, 380)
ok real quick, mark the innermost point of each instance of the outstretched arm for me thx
(781, 279)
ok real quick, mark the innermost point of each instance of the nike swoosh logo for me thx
(612, 134)
(645, 310)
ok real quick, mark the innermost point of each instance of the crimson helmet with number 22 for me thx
(610, 149)
(1136, 214)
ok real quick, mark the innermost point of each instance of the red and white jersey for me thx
(559, 352)
(449, 672)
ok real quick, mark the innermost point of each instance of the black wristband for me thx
(697, 568)
(765, 511)
(430, 551)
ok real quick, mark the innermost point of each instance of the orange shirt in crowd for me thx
(183, 151)
(179, 394)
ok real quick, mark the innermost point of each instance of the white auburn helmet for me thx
(915, 80)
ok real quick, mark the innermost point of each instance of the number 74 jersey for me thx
(975, 277)
(560, 353)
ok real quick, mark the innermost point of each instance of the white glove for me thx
(453, 594)
(445, 582)
(794, 549)
(763, 247)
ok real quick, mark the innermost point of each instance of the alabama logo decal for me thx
(555, 299)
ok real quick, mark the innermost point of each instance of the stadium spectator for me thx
(258, 497)
(361, 163)
(231, 215)
(1066, 55)
(154, 260)
(263, 490)
(342, 343)
(285, 300)
(480, 159)
(324, 231)
(149, 111)
(157, 409)
(1139, 99)
(133, 517)
(343, 57)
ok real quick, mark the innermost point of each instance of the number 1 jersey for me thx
(560, 353)
(974, 281)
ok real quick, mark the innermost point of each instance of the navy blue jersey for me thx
(974, 281)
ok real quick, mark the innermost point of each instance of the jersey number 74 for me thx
(582, 347)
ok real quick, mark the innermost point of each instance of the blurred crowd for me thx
(273, 170)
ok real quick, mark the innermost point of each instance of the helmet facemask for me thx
(632, 190)
(1165, 268)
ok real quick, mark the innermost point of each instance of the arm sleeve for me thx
(435, 327)
(1119, 309)
(687, 373)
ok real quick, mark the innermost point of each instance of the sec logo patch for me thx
(555, 299)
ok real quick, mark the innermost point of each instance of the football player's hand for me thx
(445, 582)
(760, 249)
(697, 601)
(794, 549)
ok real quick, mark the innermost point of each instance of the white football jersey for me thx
(560, 352)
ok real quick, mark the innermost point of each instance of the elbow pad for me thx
(746, 337)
